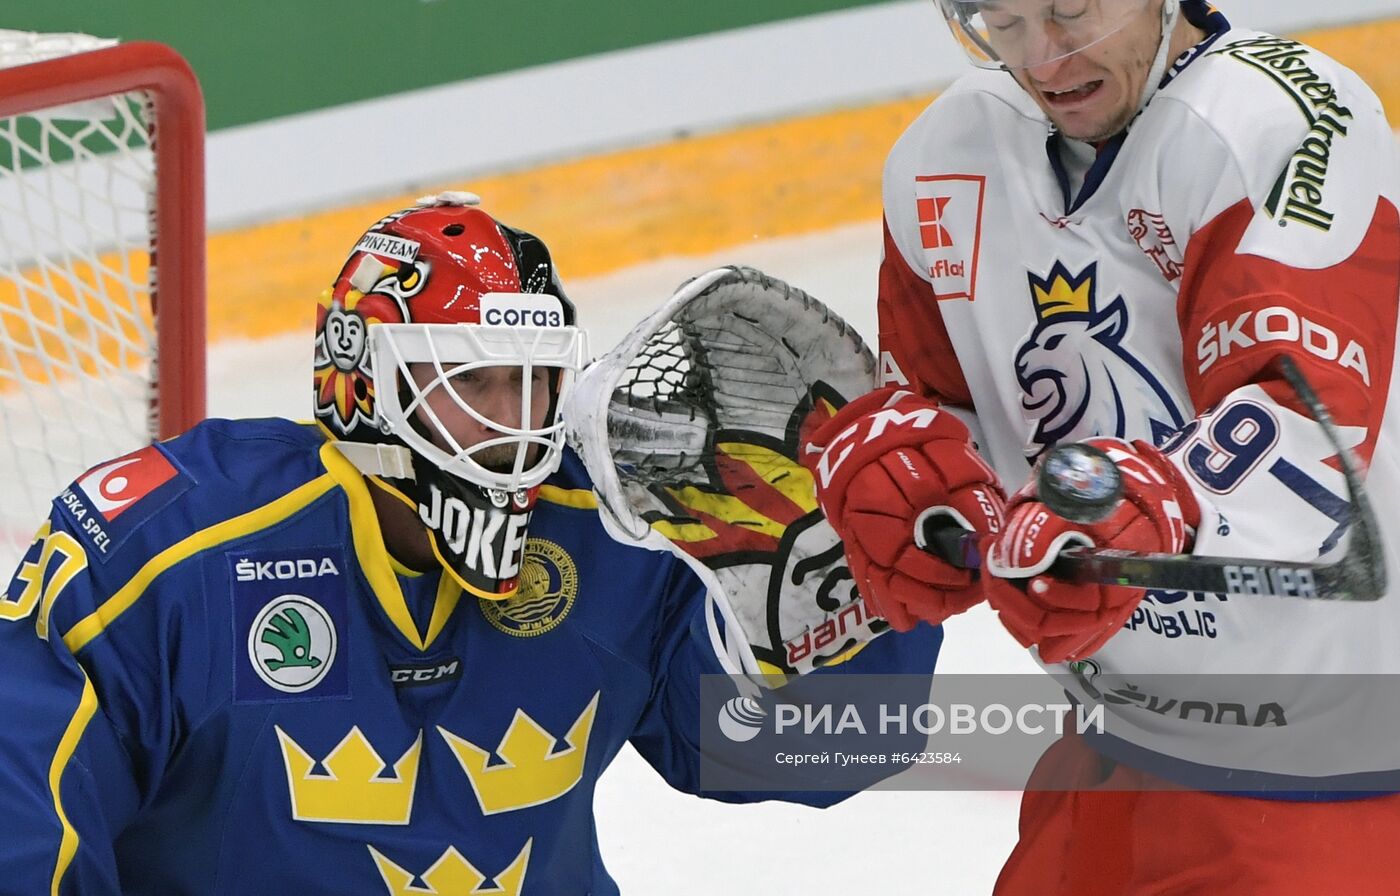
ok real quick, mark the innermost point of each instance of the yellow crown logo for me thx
(1062, 297)
(453, 875)
(352, 789)
(533, 771)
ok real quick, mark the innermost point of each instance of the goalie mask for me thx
(443, 351)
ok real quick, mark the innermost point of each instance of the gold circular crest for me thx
(548, 586)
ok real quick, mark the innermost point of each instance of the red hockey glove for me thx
(884, 465)
(1069, 620)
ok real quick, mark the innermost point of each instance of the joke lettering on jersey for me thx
(487, 539)
(1298, 194)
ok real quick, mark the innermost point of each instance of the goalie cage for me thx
(101, 348)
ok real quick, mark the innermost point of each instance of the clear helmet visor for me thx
(1018, 34)
(481, 403)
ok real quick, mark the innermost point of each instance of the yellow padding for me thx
(578, 498)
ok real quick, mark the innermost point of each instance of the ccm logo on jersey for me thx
(418, 674)
(1277, 323)
(263, 570)
(499, 309)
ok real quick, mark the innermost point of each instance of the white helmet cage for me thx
(1018, 34)
(451, 351)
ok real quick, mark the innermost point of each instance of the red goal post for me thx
(102, 261)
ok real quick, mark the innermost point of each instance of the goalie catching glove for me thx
(886, 466)
(1070, 620)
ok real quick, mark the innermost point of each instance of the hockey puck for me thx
(1079, 482)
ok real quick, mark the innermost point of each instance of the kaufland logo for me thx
(945, 268)
(931, 229)
(949, 209)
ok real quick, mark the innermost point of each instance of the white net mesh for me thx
(77, 343)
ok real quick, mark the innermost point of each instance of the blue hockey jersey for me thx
(217, 681)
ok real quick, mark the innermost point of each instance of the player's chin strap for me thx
(392, 461)
(1171, 11)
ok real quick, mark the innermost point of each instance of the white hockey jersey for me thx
(1249, 212)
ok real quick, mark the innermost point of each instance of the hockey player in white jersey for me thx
(1113, 232)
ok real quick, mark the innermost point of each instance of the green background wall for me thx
(260, 59)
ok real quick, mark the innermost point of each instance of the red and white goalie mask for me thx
(442, 354)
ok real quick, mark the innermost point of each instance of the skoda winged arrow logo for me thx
(288, 633)
(292, 643)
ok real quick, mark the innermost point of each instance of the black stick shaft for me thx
(1169, 572)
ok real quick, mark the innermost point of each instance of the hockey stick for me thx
(1080, 483)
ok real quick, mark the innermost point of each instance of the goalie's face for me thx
(488, 413)
(480, 403)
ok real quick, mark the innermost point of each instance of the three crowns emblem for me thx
(534, 768)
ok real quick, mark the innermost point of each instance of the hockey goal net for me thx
(101, 343)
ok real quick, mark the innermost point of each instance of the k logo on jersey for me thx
(1078, 378)
(949, 207)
